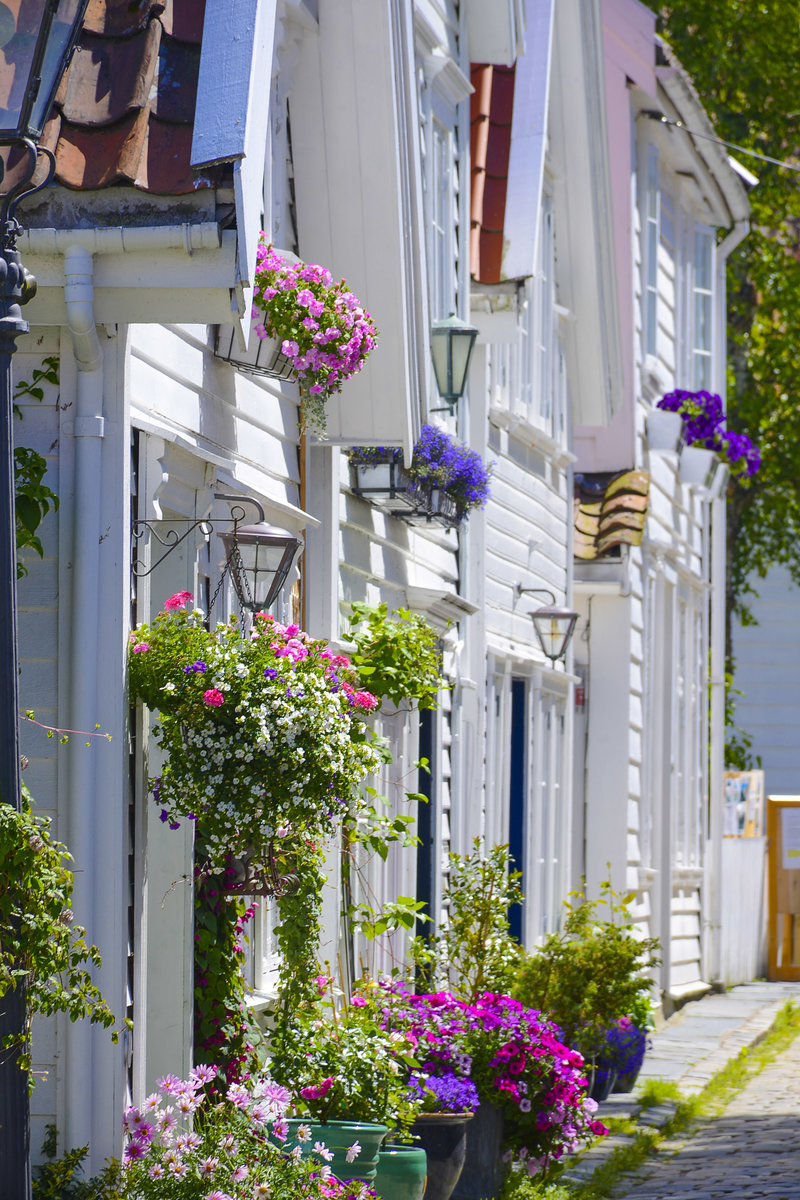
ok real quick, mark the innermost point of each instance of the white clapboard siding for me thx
(178, 388)
(685, 938)
(38, 632)
(767, 657)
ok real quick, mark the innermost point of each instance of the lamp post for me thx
(452, 343)
(553, 624)
(36, 40)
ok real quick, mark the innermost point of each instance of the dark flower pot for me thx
(627, 1082)
(602, 1083)
(401, 1173)
(482, 1175)
(443, 1136)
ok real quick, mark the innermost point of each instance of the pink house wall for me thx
(629, 48)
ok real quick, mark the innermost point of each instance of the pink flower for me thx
(213, 697)
(318, 1090)
(341, 660)
(141, 648)
(365, 701)
(289, 348)
(178, 600)
(358, 1001)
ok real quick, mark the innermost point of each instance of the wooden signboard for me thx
(783, 848)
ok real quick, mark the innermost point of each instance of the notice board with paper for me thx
(783, 849)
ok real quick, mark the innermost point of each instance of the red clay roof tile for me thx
(107, 78)
(125, 109)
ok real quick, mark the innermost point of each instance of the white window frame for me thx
(651, 225)
(701, 350)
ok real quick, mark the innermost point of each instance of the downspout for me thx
(85, 621)
(717, 616)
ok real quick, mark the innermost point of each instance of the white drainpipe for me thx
(83, 1066)
(715, 548)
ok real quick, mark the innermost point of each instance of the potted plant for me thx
(379, 475)
(186, 1143)
(589, 973)
(262, 734)
(397, 655)
(449, 1102)
(707, 441)
(318, 324)
(531, 1087)
(349, 1075)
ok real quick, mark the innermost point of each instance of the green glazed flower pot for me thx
(402, 1173)
(339, 1136)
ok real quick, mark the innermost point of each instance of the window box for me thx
(698, 467)
(386, 484)
(665, 432)
(262, 357)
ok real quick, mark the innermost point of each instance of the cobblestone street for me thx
(751, 1151)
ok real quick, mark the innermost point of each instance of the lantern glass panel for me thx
(440, 349)
(62, 31)
(266, 556)
(20, 24)
(461, 343)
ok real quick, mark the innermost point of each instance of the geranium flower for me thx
(213, 697)
(178, 600)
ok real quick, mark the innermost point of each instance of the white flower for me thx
(322, 1150)
(353, 1152)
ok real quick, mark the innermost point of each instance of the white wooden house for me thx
(650, 573)
(378, 139)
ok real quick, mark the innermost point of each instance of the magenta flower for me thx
(317, 1091)
(178, 600)
(141, 648)
(213, 698)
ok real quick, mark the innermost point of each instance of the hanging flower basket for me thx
(261, 734)
(263, 356)
(258, 872)
(318, 324)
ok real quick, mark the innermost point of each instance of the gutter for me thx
(120, 239)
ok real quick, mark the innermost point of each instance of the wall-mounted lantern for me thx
(452, 343)
(554, 625)
(259, 557)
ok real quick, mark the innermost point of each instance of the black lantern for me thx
(452, 343)
(554, 625)
(260, 559)
(36, 40)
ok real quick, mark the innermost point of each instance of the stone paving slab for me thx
(751, 1152)
(695, 1043)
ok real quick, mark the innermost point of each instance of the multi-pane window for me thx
(651, 231)
(702, 308)
(528, 376)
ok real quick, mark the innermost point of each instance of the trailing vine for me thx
(41, 948)
(397, 656)
(33, 498)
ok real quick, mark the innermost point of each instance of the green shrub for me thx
(591, 972)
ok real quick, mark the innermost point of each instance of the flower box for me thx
(665, 431)
(697, 467)
(385, 483)
(262, 356)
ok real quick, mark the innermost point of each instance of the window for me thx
(441, 187)
(528, 376)
(702, 308)
(651, 231)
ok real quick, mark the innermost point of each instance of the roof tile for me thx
(119, 18)
(124, 113)
(107, 78)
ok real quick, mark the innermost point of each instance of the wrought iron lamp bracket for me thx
(10, 227)
(171, 538)
(519, 590)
